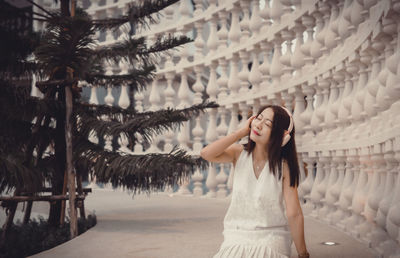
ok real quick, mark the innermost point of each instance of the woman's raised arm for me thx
(225, 150)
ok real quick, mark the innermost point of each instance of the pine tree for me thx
(34, 132)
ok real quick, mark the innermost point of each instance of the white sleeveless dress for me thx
(255, 224)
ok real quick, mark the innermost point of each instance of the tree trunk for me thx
(9, 220)
(28, 212)
(70, 170)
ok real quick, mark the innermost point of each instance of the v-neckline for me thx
(252, 168)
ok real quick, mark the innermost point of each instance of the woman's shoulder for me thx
(238, 150)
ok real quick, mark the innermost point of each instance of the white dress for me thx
(255, 224)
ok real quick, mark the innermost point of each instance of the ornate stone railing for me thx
(333, 63)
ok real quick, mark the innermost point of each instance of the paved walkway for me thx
(181, 226)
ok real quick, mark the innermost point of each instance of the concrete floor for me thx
(180, 226)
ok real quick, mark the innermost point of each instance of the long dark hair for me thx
(276, 153)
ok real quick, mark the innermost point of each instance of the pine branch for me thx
(137, 79)
(135, 50)
(147, 172)
(15, 174)
(139, 14)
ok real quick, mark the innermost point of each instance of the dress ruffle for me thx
(248, 251)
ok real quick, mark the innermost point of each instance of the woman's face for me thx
(261, 127)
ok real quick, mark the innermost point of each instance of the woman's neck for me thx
(260, 153)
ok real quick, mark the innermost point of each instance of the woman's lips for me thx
(254, 131)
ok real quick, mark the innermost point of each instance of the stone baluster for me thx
(265, 15)
(212, 42)
(346, 190)
(309, 22)
(287, 9)
(333, 193)
(255, 21)
(298, 58)
(211, 134)
(223, 31)
(358, 102)
(307, 114)
(265, 66)
(169, 14)
(331, 34)
(244, 73)
(356, 16)
(316, 195)
(349, 193)
(392, 85)
(255, 74)
(234, 32)
(308, 183)
(184, 51)
(379, 234)
(324, 84)
(276, 69)
(184, 10)
(322, 188)
(276, 11)
(375, 193)
(154, 99)
(324, 8)
(184, 133)
(169, 94)
(199, 41)
(198, 132)
(316, 119)
(222, 176)
(344, 114)
(285, 59)
(110, 12)
(391, 246)
(198, 8)
(382, 98)
(233, 126)
(360, 196)
(344, 23)
(124, 103)
(223, 79)
(339, 77)
(245, 22)
(373, 84)
(330, 116)
(212, 5)
(233, 81)
(316, 46)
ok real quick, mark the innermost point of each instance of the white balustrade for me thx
(334, 63)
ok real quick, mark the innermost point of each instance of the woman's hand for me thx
(245, 130)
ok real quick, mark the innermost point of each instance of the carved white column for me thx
(255, 21)
(170, 95)
(212, 42)
(222, 177)
(244, 73)
(245, 22)
(234, 32)
(255, 74)
(233, 81)
(223, 32)
(276, 69)
(198, 132)
(316, 195)
(211, 134)
(233, 126)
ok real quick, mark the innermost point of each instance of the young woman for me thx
(258, 223)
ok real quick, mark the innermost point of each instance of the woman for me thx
(266, 171)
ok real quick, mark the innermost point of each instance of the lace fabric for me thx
(255, 224)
